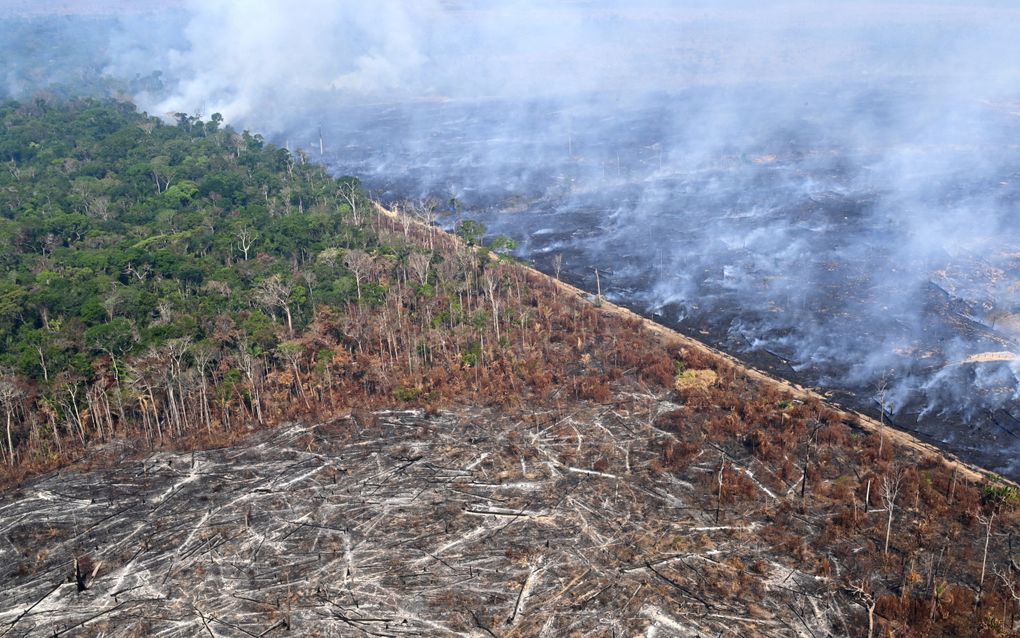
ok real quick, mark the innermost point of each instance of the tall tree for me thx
(9, 395)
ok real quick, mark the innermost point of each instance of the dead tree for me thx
(425, 212)
(273, 293)
(350, 193)
(811, 440)
(9, 395)
(251, 367)
(1010, 587)
(987, 521)
(933, 576)
(419, 264)
(144, 378)
(141, 273)
(79, 575)
(245, 240)
(99, 206)
(361, 265)
(203, 356)
(176, 349)
(890, 490)
(719, 480)
(996, 496)
(862, 594)
(291, 352)
(491, 285)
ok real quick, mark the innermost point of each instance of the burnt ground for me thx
(785, 246)
(830, 322)
(472, 522)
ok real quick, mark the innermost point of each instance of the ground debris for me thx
(379, 532)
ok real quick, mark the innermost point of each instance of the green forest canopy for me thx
(119, 232)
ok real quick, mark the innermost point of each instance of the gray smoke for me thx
(827, 187)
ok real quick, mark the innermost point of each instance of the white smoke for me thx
(241, 57)
(822, 165)
(247, 58)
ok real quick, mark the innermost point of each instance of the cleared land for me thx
(405, 524)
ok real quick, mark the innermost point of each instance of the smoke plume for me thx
(827, 188)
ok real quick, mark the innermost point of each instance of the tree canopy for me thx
(120, 231)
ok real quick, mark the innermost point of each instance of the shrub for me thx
(694, 380)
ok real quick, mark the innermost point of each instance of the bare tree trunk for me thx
(116, 378)
(56, 433)
(184, 406)
(718, 500)
(871, 619)
(205, 404)
(867, 600)
(984, 559)
(72, 394)
(42, 361)
(248, 362)
(10, 439)
(490, 287)
(888, 531)
(93, 409)
(172, 402)
(890, 490)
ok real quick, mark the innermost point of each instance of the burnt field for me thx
(931, 353)
(881, 267)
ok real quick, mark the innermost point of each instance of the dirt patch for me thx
(988, 357)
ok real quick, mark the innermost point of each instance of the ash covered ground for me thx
(399, 524)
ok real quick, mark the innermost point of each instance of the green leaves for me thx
(116, 337)
(471, 231)
(502, 244)
(998, 492)
(11, 303)
(180, 194)
(133, 232)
